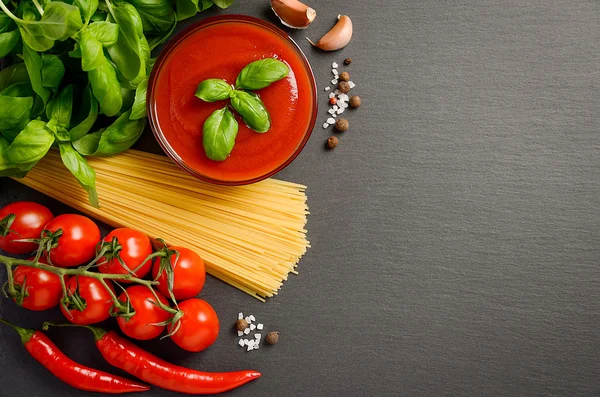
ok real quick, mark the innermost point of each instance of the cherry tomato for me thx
(139, 326)
(188, 274)
(77, 244)
(199, 326)
(43, 288)
(29, 223)
(136, 247)
(96, 298)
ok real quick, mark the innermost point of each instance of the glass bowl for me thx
(164, 140)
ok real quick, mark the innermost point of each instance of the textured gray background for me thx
(455, 230)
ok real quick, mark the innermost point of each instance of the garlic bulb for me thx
(338, 37)
(293, 13)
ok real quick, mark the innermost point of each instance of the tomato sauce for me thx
(222, 50)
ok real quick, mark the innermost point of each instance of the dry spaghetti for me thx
(250, 236)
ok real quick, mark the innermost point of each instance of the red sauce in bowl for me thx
(220, 48)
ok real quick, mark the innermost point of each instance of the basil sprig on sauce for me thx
(221, 128)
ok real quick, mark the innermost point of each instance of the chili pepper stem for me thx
(98, 332)
(24, 333)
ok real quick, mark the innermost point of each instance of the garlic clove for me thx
(338, 37)
(293, 13)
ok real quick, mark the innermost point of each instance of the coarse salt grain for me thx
(340, 111)
(257, 336)
(241, 316)
(325, 125)
(331, 120)
(351, 84)
(252, 318)
(240, 333)
(259, 326)
(331, 111)
(335, 107)
(334, 65)
(334, 81)
(343, 97)
(247, 331)
(252, 327)
(241, 343)
(337, 92)
(250, 348)
(332, 94)
(334, 71)
(327, 88)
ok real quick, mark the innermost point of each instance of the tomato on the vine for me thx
(188, 274)
(42, 289)
(89, 293)
(143, 324)
(135, 248)
(199, 326)
(77, 243)
(27, 222)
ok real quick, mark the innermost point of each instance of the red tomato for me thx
(136, 247)
(98, 301)
(77, 244)
(29, 223)
(42, 287)
(188, 274)
(146, 313)
(199, 326)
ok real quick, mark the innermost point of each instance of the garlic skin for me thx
(338, 37)
(293, 13)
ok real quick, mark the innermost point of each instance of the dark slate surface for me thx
(455, 230)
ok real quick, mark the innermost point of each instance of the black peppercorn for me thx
(241, 325)
(332, 142)
(344, 87)
(355, 101)
(342, 125)
(272, 338)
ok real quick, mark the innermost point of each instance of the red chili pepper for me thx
(84, 378)
(125, 355)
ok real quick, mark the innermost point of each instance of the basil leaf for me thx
(87, 8)
(260, 74)
(223, 3)
(106, 88)
(21, 90)
(14, 112)
(86, 176)
(13, 74)
(86, 117)
(76, 52)
(185, 9)
(92, 53)
(62, 107)
(155, 41)
(125, 51)
(106, 33)
(8, 41)
(59, 22)
(252, 109)
(212, 90)
(5, 22)
(219, 132)
(53, 71)
(204, 5)
(35, 42)
(120, 135)
(30, 145)
(89, 143)
(34, 65)
(157, 15)
(138, 110)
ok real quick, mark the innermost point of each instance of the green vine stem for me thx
(9, 263)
